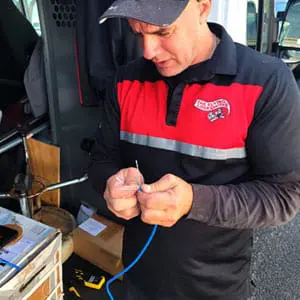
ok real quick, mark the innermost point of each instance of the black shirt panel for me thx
(217, 269)
(273, 137)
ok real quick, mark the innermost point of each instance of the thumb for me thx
(167, 182)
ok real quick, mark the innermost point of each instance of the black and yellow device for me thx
(89, 280)
(94, 282)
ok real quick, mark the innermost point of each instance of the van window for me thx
(30, 10)
(18, 4)
(290, 34)
(280, 5)
(251, 24)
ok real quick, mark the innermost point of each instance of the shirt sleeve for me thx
(272, 196)
(105, 156)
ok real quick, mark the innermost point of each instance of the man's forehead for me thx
(142, 27)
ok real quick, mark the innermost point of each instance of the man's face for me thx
(176, 47)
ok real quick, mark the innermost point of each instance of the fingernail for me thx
(147, 188)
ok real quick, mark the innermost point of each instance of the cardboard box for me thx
(39, 257)
(103, 250)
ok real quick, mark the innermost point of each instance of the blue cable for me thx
(5, 262)
(132, 264)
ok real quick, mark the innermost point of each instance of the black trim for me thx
(51, 73)
(88, 94)
(174, 102)
(260, 23)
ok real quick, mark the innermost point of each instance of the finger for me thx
(157, 201)
(130, 188)
(159, 217)
(117, 194)
(167, 182)
(116, 189)
(133, 177)
(124, 183)
(119, 205)
(128, 214)
(117, 179)
(151, 216)
(123, 177)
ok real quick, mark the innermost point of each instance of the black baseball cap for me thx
(155, 12)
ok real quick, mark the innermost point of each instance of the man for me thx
(214, 128)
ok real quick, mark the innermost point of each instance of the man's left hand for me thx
(165, 201)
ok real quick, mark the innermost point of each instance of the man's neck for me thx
(208, 43)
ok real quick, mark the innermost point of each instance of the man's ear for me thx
(204, 8)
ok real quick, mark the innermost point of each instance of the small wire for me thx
(139, 179)
(39, 182)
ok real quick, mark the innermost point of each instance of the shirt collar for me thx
(224, 58)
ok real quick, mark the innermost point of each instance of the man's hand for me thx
(120, 193)
(165, 201)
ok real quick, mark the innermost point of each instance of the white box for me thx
(41, 275)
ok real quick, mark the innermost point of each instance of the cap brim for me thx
(149, 12)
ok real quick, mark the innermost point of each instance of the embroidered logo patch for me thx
(217, 109)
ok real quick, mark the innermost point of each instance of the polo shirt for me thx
(222, 125)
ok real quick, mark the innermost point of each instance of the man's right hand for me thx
(120, 193)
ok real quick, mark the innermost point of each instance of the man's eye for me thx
(165, 33)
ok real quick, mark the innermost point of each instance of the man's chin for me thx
(168, 72)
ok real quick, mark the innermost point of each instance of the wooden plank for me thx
(45, 167)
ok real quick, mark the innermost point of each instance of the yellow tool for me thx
(72, 289)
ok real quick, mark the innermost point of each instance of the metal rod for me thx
(25, 200)
(19, 140)
(32, 124)
(25, 150)
(4, 196)
(66, 183)
(25, 206)
(60, 185)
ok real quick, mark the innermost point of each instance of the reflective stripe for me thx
(181, 147)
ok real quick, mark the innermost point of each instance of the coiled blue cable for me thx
(108, 283)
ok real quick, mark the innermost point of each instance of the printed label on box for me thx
(92, 226)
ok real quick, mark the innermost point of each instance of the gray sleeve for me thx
(253, 204)
(272, 196)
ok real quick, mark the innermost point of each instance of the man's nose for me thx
(150, 46)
